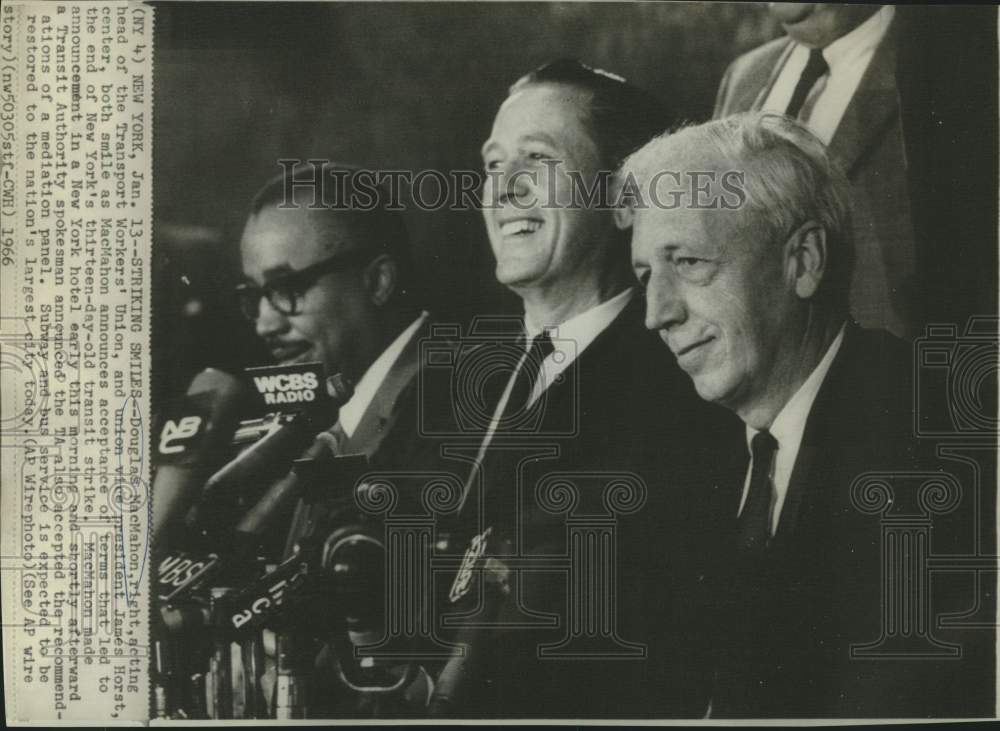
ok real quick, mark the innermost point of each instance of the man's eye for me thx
(286, 290)
(285, 297)
(694, 269)
(690, 264)
(538, 156)
(491, 164)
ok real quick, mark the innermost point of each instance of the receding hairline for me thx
(334, 229)
(567, 91)
(568, 87)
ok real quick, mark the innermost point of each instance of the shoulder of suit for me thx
(875, 374)
(762, 58)
(879, 348)
(634, 361)
(627, 333)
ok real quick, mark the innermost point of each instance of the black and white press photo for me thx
(419, 362)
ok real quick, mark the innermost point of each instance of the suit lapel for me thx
(761, 92)
(750, 87)
(797, 487)
(873, 107)
(378, 417)
(815, 440)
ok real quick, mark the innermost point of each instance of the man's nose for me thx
(512, 181)
(664, 306)
(269, 321)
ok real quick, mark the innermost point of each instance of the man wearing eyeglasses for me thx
(331, 284)
(324, 282)
(327, 282)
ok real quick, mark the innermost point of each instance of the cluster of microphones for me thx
(239, 599)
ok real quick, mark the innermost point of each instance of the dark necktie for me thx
(755, 520)
(815, 68)
(518, 402)
(514, 420)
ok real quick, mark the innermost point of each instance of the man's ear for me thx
(806, 254)
(381, 279)
(623, 217)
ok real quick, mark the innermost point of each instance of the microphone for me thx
(339, 557)
(185, 571)
(471, 666)
(319, 465)
(195, 431)
(283, 444)
(182, 573)
(279, 495)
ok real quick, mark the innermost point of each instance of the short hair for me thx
(789, 178)
(621, 117)
(374, 220)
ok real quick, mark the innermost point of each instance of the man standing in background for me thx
(894, 93)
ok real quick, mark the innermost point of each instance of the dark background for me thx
(415, 86)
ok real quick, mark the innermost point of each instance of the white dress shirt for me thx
(787, 429)
(848, 58)
(365, 390)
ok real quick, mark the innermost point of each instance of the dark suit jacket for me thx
(868, 144)
(791, 619)
(637, 416)
(385, 433)
(390, 436)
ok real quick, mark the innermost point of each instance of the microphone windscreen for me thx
(193, 438)
(279, 448)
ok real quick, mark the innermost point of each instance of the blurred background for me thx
(415, 86)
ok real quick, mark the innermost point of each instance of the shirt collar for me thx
(789, 425)
(574, 335)
(366, 388)
(861, 40)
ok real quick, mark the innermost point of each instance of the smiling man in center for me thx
(558, 136)
(562, 260)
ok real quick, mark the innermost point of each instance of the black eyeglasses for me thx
(285, 292)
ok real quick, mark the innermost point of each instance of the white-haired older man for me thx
(750, 292)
